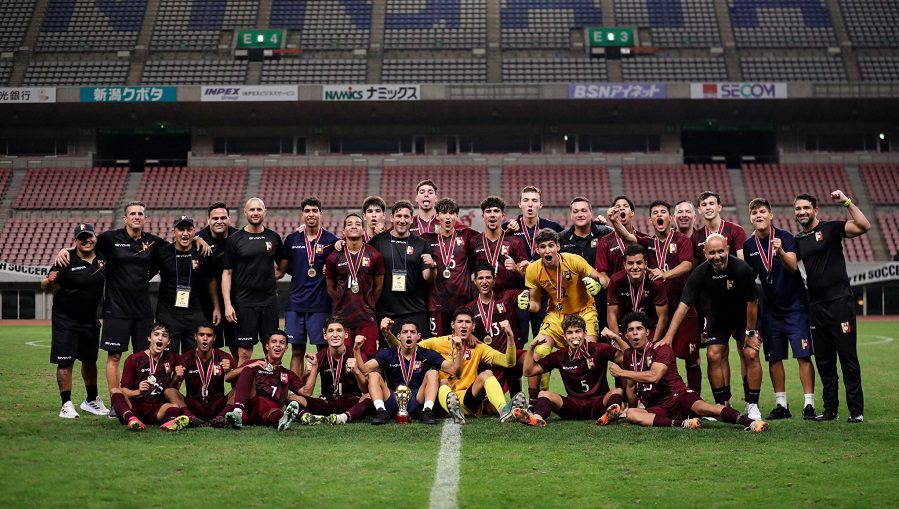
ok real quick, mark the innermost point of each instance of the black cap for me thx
(183, 219)
(82, 229)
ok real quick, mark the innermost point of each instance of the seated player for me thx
(145, 377)
(408, 365)
(344, 389)
(262, 389)
(582, 367)
(465, 392)
(204, 371)
(653, 381)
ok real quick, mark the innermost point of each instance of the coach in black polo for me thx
(820, 247)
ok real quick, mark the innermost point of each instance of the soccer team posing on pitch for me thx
(453, 310)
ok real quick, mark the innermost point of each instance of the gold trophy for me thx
(403, 394)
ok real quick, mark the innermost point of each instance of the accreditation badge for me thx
(182, 296)
(398, 282)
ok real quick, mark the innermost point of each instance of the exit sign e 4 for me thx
(255, 39)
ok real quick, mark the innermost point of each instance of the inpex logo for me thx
(223, 92)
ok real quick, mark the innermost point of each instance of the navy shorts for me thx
(302, 328)
(780, 330)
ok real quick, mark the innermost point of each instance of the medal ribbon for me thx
(446, 257)
(153, 364)
(354, 266)
(529, 238)
(493, 258)
(205, 377)
(424, 228)
(559, 282)
(487, 316)
(407, 373)
(310, 253)
(662, 256)
(767, 261)
(339, 372)
(620, 243)
(719, 231)
(642, 359)
(635, 299)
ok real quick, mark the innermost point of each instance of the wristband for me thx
(847, 202)
(751, 332)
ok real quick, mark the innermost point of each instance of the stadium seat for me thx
(167, 187)
(882, 182)
(194, 72)
(675, 182)
(192, 25)
(656, 68)
(434, 70)
(435, 24)
(888, 222)
(779, 183)
(672, 23)
(35, 241)
(72, 188)
(15, 15)
(872, 22)
(545, 23)
(313, 71)
(284, 224)
(553, 70)
(325, 24)
(857, 249)
(558, 183)
(336, 186)
(75, 73)
(781, 23)
(89, 25)
(465, 183)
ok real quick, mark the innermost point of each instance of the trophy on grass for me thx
(403, 394)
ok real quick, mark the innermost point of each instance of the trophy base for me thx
(403, 419)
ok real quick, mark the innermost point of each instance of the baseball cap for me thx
(84, 229)
(183, 219)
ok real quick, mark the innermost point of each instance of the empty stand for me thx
(882, 69)
(75, 73)
(336, 186)
(198, 24)
(872, 22)
(5, 72)
(195, 72)
(15, 15)
(5, 176)
(329, 24)
(778, 23)
(672, 23)
(35, 241)
(465, 183)
(90, 25)
(558, 183)
(780, 183)
(889, 227)
(857, 249)
(545, 23)
(72, 188)
(553, 70)
(434, 70)
(882, 182)
(675, 182)
(421, 24)
(284, 225)
(674, 69)
(315, 71)
(175, 187)
(818, 69)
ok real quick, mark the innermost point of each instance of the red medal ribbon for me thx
(559, 282)
(720, 230)
(309, 247)
(354, 266)
(493, 258)
(767, 261)
(620, 243)
(205, 377)
(447, 256)
(337, 374)
(635, 299)
(529, 238)
(661, 257)
(642, 359)
(366, 235)
(487, 316)
(153, 364)
(422, 229)
(407, 374)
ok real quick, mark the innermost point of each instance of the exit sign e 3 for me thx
(611, 36)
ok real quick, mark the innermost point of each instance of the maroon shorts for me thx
(146, 409)
(370, 331)
(679, 408)
(256, 408)
(327, 406)
(208, 408)
(581, 409)
(686, 339)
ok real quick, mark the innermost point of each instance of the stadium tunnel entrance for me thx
(732, 147)
(168, 148)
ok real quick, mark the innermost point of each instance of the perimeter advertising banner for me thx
(371, 93)
(617, 91)
(250, 93)
(745, 90)
(27, 95)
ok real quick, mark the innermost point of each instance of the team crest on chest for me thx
(410, 250)
(284, 378)
(730, 284)
(268, 246)
(819, 236)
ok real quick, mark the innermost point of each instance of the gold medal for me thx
(311, 272)
(269, 367)
(559, 307)
(446, 273)
(354, 287)
(151, 379)
(487, 339)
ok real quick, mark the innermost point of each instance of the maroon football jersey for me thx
(420, 226)
(511, 247)
(733, 232)
(504, 308)
(193, 379)
(328, 365)
(619, 294)
(275, 384)
(665, 391)
(137, 369)
(356, 308)
(610, 253)
(584, 375)
(447, 294)
(671, 252)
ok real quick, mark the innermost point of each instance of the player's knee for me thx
(715, 354)
(485, 375)
(375, 377)
(65, 367)
(113, 357)
(115, 390)
(431, 375)
(544, 394)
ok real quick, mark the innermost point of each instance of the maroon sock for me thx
(542, 407)
(186, 411)
(172, 412)
(665, 422)
(694, 378)
(272, 418)
(120, 405)
(228, 408)
(532, 394)
(730, 415)
(359, 410)
(615, 399)
(244, 385)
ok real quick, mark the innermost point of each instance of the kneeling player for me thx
(262, 388)
(653, 381)
(344, 388)
(408, 365)
(145, 377)
(204, 370)
(582, 367)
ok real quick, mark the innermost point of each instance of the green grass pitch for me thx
(96, 462)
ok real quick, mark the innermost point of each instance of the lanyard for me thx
(393, 254)
(190, 271)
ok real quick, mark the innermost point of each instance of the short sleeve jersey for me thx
(648, 295)
(584, 373)
(402, 257)
(784, 290)
(528, 235)
(308, 294)
(722, 297)
(211, 370)
(127, 272)
(188, 269)
(80, 288)
(821, 251)
(504, 307)
(356, 308)
(448, 294)
(331, 367)
(472, 359)
(252, 258)
(483, 250)
(137, 369)
(583, 246)
(420, 226)
(389, 362)
(215, 265)
(574, 294)
(664, 392)
(276, 384)
(668, 254)
(733, 232)
(610, 253)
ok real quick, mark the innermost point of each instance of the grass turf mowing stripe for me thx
(446, 475)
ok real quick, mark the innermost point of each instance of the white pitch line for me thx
(882, 340)
(446, 477)
(37, 344)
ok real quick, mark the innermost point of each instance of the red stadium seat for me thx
(71, 188)
(780, 183)
(675, 182)
(558, 183)
(465, 183)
